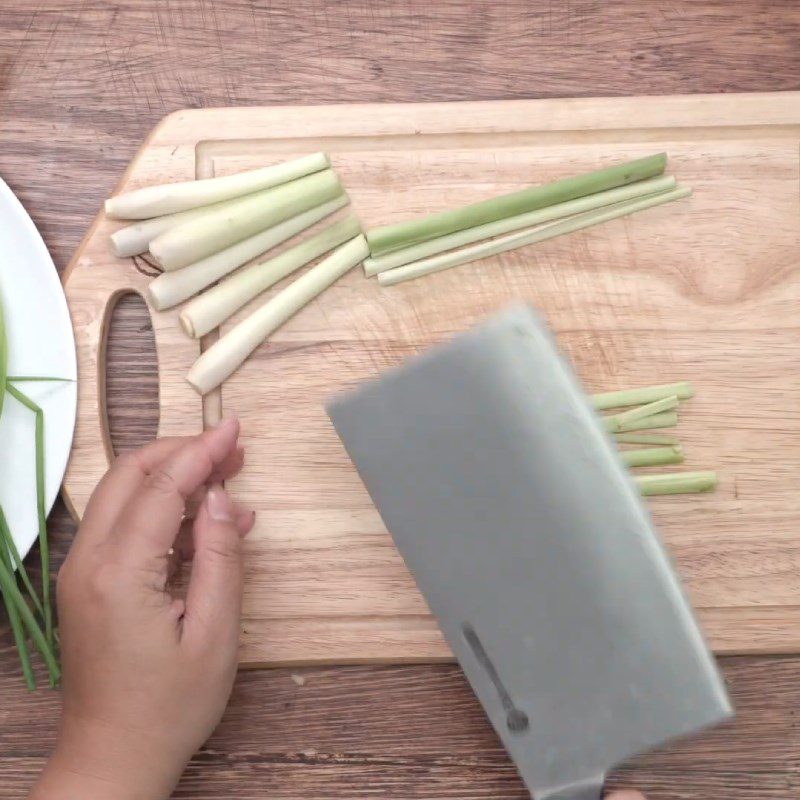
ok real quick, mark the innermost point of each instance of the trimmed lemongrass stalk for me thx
(133, 240)
(3, 357)
(397, 258)
(10, 590)
(211, 309)
(647, 438)
(171, 288)
(242, 218)
(677, 483)
(618, 422)
(403, 234)
(667, 419)
(169, 198)
(231, 350)
(652, 456)
(683, 390)
(44, 549)
(523, 238)
(8, 545)
(14, 619)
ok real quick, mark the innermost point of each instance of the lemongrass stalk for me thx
(14, 620)
(396, 258)
(155, 201)
(3, 357)
(667, 419)
(403, 234)
(213, 307)
(646, 438)
(133, 240)
(37, 379)
(9, 546)
(514, 240)
(44, 549)
(11, 591)
(231, 350)
(242, 218)
(618, 422)
(677, 483)
(683, 390)
(652, 456)
(171, 288)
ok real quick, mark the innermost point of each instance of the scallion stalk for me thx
(245, 217)
(213, 307)
(404, 234)
(652, 456)
(677, 483)
(171, 288)
(513, 241)
(156, 201)
(230, 351)
(683, 390)
(407, 255)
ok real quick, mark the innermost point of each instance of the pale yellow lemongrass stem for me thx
(229, 352)
(171, 288)
(155, 201)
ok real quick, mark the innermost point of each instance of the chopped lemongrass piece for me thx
(155, 201)
(242, 218)
(683, 390)
(404, 234)
(667, 419)
(618, 422)
(677, 483)
(397, 258)
(171, 288)
(514, 240)
(647, 438)
(212, 308)
(231, 350)
(652, 456)
(133, 240)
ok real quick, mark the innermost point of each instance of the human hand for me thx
(626, 795)
(147, 676)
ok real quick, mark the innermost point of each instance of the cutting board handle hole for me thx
(129, 374)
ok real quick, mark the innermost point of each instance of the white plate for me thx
(40, 342)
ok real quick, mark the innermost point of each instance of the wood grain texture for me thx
(81, 85)
(652, 298)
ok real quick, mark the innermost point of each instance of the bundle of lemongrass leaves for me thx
(30, 615)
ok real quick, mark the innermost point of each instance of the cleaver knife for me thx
(525, 533)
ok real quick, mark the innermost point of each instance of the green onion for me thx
(393, 237)
(44, 550)
(515, 240)
(619, 422)
(213, 307)
(14, 619)
(230, 351)
(648, 394)
(668, 419)
(646, 438)
(171, 288)
(245, 217)
(397, 258)
(155, 201)
(677, 483)
(652, 456)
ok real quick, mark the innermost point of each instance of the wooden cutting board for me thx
(707, 289)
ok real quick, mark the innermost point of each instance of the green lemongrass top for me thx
(404, 234)
(513, 241)
(617, 422)
(397, 258)
(667, 419)
(652, 456)
(677, 483)
(683, 390)
(646, 438)
(3, 357)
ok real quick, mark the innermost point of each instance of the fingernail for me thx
(219, 505)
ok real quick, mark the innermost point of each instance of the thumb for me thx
(214, 598)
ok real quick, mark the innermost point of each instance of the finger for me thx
(149, 523)
(116, 487)
(229, 469)
(214, 598)
(625, 795)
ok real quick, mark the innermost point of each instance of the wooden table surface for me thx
(81, 84)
